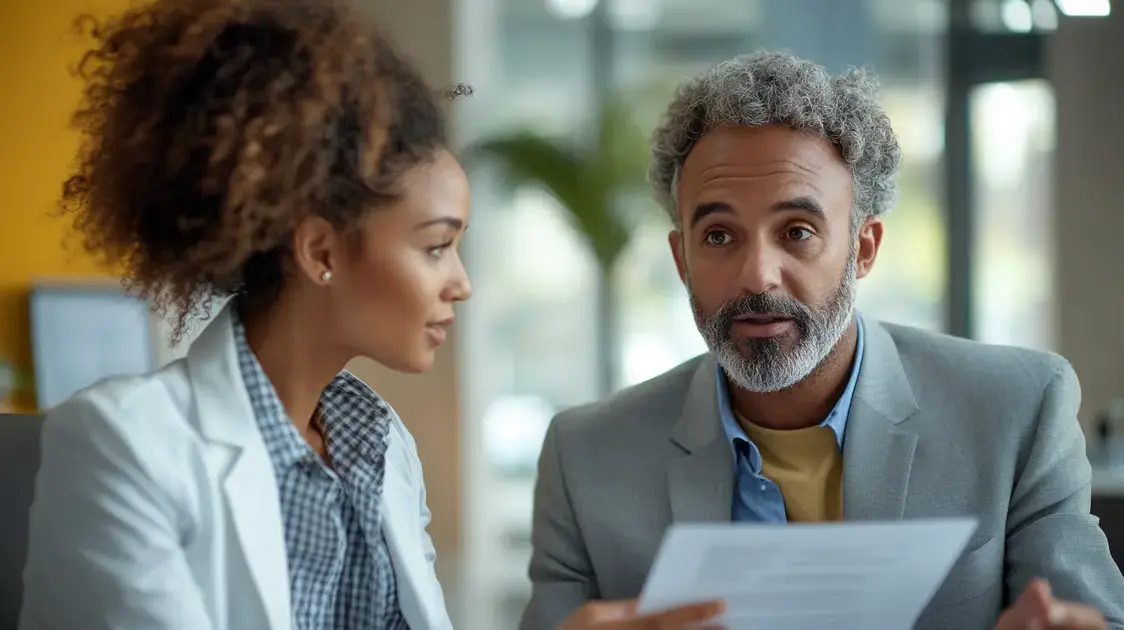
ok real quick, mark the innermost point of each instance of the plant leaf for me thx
(622, 148)
(585, 180)
(526, 158)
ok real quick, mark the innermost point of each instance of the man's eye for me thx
(798, 234)
(439, 250)
(717, 237)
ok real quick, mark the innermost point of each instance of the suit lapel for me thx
(701, 481)
(876, 465)
(701, 485)
(878, 453)
(226, 419)
(251, 496)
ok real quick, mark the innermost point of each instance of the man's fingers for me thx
(602, 611)
(689, 616)
(1036, 602)
(1065, 616)
(1038, 609)
(621, 615)
(1039, 599)
(1057, 615)
(1030, 609)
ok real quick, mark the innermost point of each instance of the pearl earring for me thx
(326, 275)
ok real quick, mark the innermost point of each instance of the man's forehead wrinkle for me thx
(717, 175)
(765, 169)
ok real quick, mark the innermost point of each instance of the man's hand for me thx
(621, 615)
(1037, 609)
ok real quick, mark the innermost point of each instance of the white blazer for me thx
(156, 507)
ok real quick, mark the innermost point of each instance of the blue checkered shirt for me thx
(340, 571)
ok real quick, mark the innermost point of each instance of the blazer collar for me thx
(878, 453)
(699, 424)
(225, 416)
(223, 408)
(883, 384)
(701, 482)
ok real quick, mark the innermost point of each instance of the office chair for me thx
(19, 463)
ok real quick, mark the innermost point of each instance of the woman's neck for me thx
(297, 365)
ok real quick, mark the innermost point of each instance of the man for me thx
(776, 175)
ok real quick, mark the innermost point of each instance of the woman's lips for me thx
(436, 334)
(437, 331)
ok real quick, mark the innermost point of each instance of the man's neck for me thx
(806, 403)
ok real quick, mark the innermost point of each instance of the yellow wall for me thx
(38, 47)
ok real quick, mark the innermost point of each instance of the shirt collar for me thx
(836, 420)
(356, 418)
(358, 423)
(284, 443)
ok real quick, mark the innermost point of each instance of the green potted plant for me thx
(587, 179)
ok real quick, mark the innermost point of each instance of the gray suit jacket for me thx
(939, 426)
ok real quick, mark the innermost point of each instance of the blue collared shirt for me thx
(757, 498)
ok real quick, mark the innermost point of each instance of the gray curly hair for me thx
(777, 88)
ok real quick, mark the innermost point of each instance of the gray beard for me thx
(765, 365)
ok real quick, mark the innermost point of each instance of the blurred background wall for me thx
(36, 48)
(1085, 69)
(1007, 229)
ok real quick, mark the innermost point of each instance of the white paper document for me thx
(840, 576)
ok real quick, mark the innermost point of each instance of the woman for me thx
(277, 152)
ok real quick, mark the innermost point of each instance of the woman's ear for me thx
(317, 249)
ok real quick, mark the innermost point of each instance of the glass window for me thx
(1012, 156)
(908, 283)
(1017, 16)
(531, 327)
(528, 335)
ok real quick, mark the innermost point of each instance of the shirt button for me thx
(764, 487)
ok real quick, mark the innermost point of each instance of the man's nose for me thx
(760, 270)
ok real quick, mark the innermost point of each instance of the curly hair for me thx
(212, 127)
(777, 88)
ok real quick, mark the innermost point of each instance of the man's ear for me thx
(675, 240)
(868, 242)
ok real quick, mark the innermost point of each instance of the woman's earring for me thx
(326, 275)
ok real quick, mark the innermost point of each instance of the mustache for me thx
(764, 304)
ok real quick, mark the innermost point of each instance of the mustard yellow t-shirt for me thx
(807, 466)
